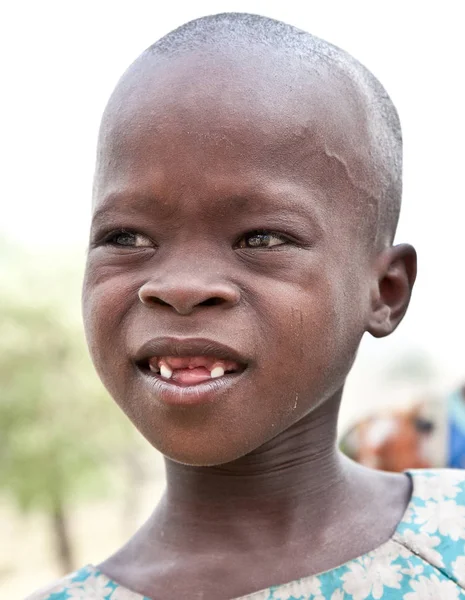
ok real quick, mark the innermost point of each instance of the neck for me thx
(302, 461)
(292, 505)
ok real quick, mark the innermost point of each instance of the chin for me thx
(207, 448)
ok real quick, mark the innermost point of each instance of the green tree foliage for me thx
(58, 429)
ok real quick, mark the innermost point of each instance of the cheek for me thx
(106, 300)
(314, 334)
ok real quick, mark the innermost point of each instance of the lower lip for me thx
(173, 394)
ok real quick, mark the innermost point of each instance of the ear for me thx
(396, 270)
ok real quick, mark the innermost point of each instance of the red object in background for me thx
(396, 439)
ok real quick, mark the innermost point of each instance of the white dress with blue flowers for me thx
(424, 559)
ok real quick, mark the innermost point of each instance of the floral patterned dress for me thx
(424, 559)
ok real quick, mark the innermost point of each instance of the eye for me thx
(128, 239)
(261, 239)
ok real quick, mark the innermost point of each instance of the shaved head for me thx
(246, 193)
(294, 75)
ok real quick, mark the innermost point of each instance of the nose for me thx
(186, 294)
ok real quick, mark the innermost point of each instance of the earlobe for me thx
(396, 272)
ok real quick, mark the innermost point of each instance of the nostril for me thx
(214, 301)
(211, 302)
(159, 301)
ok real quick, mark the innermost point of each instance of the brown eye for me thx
(129, 239)
(261, 239)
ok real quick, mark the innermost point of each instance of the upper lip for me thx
(176, 346)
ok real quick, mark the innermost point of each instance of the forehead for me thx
(220, 114)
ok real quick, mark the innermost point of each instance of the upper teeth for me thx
(217, 372)
(165, 371)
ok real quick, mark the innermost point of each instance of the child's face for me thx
(238, 234)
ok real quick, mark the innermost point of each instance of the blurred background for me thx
(75, 480)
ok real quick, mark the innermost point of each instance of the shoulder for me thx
(433, 527)
(86, 583)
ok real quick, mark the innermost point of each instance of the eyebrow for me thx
(283, 203)
(112, 201)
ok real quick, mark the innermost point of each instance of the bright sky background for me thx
(60, 61)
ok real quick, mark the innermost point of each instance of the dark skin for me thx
(193, 162)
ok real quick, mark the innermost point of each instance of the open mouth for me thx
(190, 370)
(189, 362)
